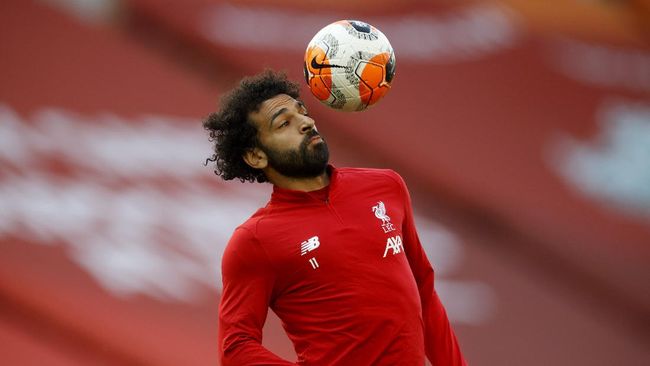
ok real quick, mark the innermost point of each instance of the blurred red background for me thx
(522, 128)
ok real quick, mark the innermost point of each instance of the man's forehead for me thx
(279, 101)
(270, 108)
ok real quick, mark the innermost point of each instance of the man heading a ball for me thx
(335, 252)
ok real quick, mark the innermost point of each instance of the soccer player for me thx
(335, 252)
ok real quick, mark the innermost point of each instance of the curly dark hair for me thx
(232, 132)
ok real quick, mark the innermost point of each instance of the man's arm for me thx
(247, 286)
(441, 345)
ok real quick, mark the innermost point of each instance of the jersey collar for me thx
(322, 195)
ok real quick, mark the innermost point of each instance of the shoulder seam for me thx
(259, 243)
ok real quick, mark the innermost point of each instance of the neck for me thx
(298, 184)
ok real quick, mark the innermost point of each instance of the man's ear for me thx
(256, 158)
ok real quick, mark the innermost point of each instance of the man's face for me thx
(288, 137)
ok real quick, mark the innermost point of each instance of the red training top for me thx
(344, 270)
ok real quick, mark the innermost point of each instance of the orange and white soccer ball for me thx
(349, 65)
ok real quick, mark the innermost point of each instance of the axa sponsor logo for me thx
(394, 244)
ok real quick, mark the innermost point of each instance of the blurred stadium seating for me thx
(523, 131)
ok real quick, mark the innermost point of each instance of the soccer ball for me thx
(349, 65)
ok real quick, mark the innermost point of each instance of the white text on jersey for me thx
(394, 243)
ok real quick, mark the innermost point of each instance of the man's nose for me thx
(307, 125)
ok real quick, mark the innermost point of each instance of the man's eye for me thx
(284, 123)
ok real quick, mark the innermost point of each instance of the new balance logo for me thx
(309, 245)
(394, 244)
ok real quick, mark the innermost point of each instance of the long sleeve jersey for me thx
(344, 270)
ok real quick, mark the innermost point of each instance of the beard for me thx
(302, 162)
